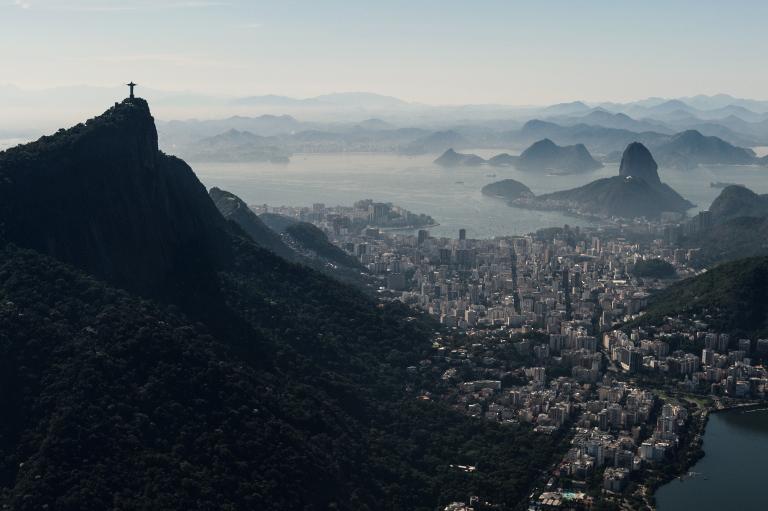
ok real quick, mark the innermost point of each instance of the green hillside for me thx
(730, 297)
(220, 377)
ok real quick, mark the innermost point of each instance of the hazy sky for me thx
(438, 52)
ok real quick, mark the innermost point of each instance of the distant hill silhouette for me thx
(502, 160)
(597, 139)
(738, 201)
(637, 191)
(573, 108)
(434, 143)
(236, 146)
(507, 189)
(685, 149)
(545, 155)
(451, 158)
(606, 119)
(690, 148)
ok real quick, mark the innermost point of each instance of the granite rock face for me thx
(636, 192)
(637, 162)
(102, 197)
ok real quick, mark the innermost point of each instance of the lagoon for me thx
(732, 473)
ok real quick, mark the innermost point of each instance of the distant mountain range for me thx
(235, 146)
(690, 149)
(546, 145)
(542, 156)
(435, 143)
(36, 110)
(366, 122)
(606, 119)
(599, 139)
(684, 150)
(604, 129)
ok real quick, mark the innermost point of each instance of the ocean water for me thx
(450, 195)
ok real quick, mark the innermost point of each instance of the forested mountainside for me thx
(730, 297)
(215, 375)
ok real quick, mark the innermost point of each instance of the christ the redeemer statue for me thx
(131, 85)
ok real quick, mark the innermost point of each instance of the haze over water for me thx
(450, 195)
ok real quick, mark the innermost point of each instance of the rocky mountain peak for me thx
(101, 196)
(638, 163)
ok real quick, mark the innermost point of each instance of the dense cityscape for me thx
(383, 256)
(545, 330)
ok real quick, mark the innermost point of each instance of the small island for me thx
(546, 156)
(542, 156)
(507, 189)
(636, 192)
(451, 158)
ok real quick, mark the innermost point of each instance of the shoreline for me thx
(565, 210)
(739, 406)
(408, 228)
(694, 451)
